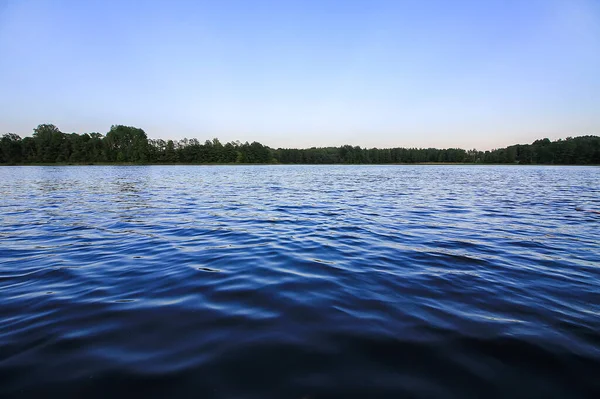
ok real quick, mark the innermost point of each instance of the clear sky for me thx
(305, 73)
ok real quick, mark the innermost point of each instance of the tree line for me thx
(127, 144)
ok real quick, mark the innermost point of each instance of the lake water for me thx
(299, 281)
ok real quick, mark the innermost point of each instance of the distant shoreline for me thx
(287, 164)
(129, 145)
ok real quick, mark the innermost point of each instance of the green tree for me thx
(11, 148)
(48, 140)
(126, 144)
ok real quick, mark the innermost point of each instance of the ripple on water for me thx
(299, 281)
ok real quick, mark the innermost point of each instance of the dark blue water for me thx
(299, 281)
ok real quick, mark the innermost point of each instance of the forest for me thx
(127, 144)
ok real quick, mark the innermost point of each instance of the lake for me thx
(300, 282)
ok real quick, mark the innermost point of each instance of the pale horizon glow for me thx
(310, 73)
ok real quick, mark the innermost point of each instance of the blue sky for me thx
(307, 73)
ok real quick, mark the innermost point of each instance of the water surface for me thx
(299, 281)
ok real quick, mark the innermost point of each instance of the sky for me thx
(374, 73)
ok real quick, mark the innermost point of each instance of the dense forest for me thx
(126, 144)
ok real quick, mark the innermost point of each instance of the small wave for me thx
(297, 282)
